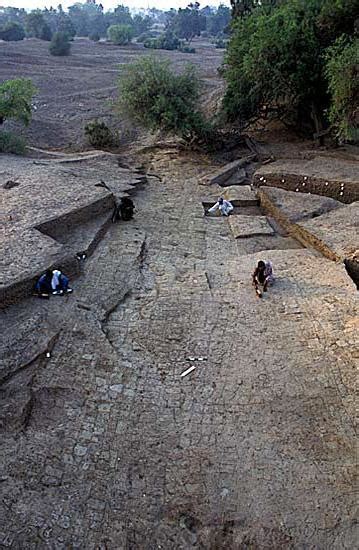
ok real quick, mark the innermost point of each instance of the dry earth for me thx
(82, 86)
(105, 445)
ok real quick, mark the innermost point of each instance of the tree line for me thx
(91, 20)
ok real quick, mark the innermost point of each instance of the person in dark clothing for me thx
(263, 275)
(43, 286)
(124, 210)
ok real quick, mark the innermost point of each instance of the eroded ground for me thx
(75, 89)
(104, 445)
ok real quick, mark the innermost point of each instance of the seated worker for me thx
(59, 283)
(126, 208)
(43, 286)
(263, 275)
(225, 207)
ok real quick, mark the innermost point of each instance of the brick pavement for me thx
(253, 449)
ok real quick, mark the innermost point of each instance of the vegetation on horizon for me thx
(89, 19)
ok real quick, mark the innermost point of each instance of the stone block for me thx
(241, 195)
(249, 226)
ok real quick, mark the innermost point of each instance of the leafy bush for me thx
(95, 37)
(120, 34)
(167, 41)
(15, 100)
(99, 134)
(343, 78)
(12, 31)
(143, 37)
(220, 44)
(186, 49)
(153, 96)
(10, 143)
(60, 44)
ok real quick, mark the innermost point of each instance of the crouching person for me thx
(225, 207)
(124, 211)
(43, 286)
(263, 276)
(60, 283)
(52, 282)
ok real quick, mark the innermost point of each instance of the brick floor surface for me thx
(252, 449)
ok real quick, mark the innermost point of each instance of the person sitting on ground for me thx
(126, 208)
(43, 286)
(225, 207)
(60, 283)
(263, 275)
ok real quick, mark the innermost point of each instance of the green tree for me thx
(141, 24)
(120, 34)
(342, 71)
(15, 100)
(154, 97)
(218, 21)
(275, 61)
(35, 24)
(188, 22)
(12, 31)
(60, 44)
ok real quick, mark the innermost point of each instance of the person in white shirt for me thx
(225, 207)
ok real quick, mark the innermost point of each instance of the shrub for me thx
(120, 34)
(220, 44)
(15, 100)
(167, 41)
(143, 37)
(10, 143)
(186, 49)
(60, 44)
(99, 134)
(12, 31)
(153, 96)
(95, 37)
(343, 79)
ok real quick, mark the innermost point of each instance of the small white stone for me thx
(297, 189)
(305, 177)
(341, 193)
(283, 181)
(48, 354)
(326, 183)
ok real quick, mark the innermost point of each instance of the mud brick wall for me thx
(296, 231)
(63, 224)
(346, 192)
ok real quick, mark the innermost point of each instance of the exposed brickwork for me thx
(255, 448)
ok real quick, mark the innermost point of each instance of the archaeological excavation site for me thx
(174, 399)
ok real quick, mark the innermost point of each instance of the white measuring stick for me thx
(187, 371)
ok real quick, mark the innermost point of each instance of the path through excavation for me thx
(113, 449)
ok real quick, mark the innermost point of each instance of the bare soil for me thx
(76, 89)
